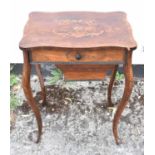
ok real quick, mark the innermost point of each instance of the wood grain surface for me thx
(71, 55)
(77, 30)
(84, 71)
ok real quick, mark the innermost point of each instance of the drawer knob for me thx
(78, 56)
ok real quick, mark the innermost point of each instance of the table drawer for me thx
(84, 71)
(106, 55)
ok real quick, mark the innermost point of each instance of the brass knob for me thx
(78, 56)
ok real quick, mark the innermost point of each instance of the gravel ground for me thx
(77, 122)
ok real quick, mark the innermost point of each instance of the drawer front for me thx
(78, 56)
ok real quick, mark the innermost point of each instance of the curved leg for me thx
(127, 91)
(28, 93)
(111, 85)
(41, 80)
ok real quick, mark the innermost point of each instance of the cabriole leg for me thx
(28, 93)
(127, 91)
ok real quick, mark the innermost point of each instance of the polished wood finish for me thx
(83, 76)
(77, 30)
(28, 93)
(84, 45)
(126, 95)
(84, 71)
(107, 55)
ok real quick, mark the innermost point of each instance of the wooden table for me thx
(84, 45)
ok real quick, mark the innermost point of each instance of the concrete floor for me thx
(79, 123)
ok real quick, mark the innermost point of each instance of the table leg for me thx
(28, 92)
(41, 80)
(111, 85)
(127, 91)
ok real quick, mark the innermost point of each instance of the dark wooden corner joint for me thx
(84, 45)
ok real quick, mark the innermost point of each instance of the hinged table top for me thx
(77, 30)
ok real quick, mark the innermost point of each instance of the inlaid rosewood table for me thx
(84, 46)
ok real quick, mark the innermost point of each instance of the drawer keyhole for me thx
(78, 56)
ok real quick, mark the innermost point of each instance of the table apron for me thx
(103, 56)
